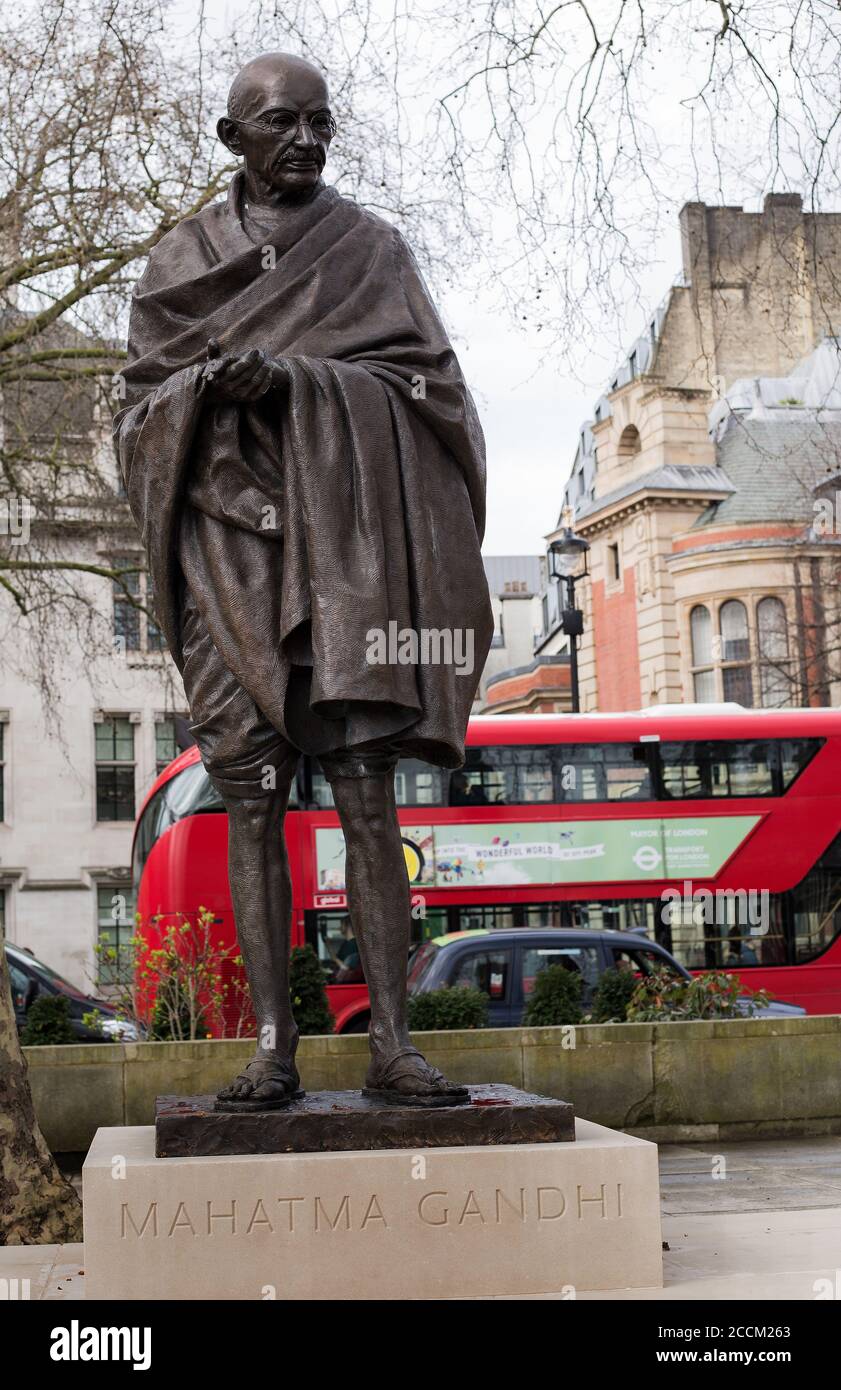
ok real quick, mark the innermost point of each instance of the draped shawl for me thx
(306, 520)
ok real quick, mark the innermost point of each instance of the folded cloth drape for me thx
(306, 521)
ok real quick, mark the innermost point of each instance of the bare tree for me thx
(37, 1204)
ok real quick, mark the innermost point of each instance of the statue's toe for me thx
(266, 1083)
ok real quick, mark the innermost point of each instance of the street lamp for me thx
(567, 553)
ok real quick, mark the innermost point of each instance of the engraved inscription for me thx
(466, 1209)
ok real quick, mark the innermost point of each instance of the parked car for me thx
(504, 965)
(30, 977)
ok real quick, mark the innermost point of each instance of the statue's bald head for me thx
(276, 80)
(267, 96)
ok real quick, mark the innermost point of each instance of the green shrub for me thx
(309, 996)
(448, 1008)
(48, 1022)
(611, 999)
(555, 999)
(663, 996)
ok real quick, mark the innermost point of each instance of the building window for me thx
(132, 592)
(703, 674)
(2, 914)
(629, 442)
(155, 640)
(736, 679)
(126, 591)
(115, 768)
(747, 664)
(115, 929)
(614, 569)
(2, 772)
(166, 743)
(772, 642)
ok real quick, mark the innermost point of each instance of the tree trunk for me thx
(38, 1206)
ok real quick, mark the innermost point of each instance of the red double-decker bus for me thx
(715, 830)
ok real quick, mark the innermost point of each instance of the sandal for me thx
(273, 1085)
(439, 1091)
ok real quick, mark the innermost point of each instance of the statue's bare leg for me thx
(261, 891)
(380, 907)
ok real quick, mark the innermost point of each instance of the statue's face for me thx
(282, 127)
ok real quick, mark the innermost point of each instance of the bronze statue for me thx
(306, 466)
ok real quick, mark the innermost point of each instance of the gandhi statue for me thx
(306, 467)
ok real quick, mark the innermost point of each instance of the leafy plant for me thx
(448, 1008)
(93, 1022)
(309, 996)
(48, 1022)
(663, 996)
(555, 999)
(613, 995)
(179, 983)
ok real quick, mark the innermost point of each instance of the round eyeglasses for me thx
(287, 124)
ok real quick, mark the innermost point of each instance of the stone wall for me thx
(666, 1082)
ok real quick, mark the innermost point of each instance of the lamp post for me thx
(568, 562)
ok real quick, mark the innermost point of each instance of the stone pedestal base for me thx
(389, 1224)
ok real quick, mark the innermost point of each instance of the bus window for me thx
(816, 905)
(418, 784)
(488, 778)
(331, 937)
(741, 769)
(795, 753)
(504, 776)
(608, 772)
(538, 915)
(338, 951)
(726, 930)
(627, 772)
(579, 772)
(492, 918)
(534, 776)
(717, 769)
(189, 793)
(321, 795)
(683, 771)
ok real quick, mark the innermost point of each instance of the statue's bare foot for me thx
(406, 1078)
(266, 1083)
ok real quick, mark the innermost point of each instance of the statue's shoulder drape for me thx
(351, 505)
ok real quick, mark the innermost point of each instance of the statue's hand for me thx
(242, 376)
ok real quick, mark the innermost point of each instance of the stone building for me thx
(91, 708)
(512, 679)
(698, 483)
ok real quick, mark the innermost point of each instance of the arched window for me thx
(736, 680)
(629, 442)
(700, 628)
(775, 676)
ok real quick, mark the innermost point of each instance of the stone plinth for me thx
(344, 1121)
(431, 1223)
